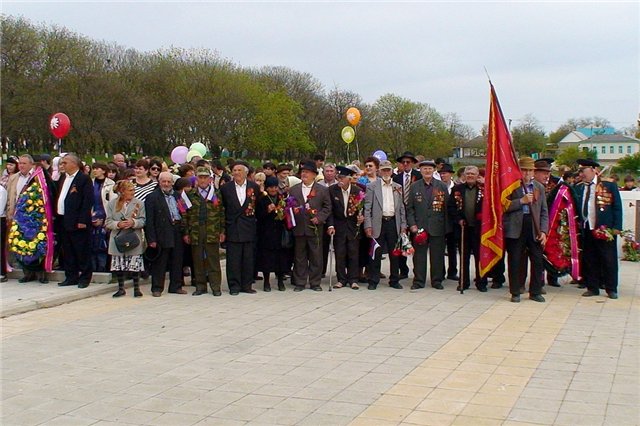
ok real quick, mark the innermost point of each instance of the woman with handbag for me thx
(126, 218)
(274, 240)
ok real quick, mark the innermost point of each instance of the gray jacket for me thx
(111, 223)
(373, 207)
(512, 218)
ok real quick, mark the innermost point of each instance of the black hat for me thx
(283, 167)
(440, 160)
(547, 160)
(271, 181)
(587, 162)
(408, 155)
(309, 165)
(345, 171)
(152, 254)
(447, 168)
(269, 165)
(42, 157)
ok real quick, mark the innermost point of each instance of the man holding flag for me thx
(502, 178)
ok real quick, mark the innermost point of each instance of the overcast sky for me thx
(555, 60)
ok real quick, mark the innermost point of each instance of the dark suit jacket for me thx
(456, 203)
(240, 220)
(320, 202)
(425, 211)
(512, 218)
(609, 212)
(78, 203)
(399, 178)
(158, 227)
(337, 219)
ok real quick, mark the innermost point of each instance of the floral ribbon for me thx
(564, 195)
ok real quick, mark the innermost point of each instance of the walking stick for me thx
(461, 282)
(330, 263)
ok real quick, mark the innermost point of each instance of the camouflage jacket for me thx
(214, 219)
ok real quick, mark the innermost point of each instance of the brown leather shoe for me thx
(179, 291)
(156, 294)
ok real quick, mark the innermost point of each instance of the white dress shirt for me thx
(591, 207)
(345, 198)
(306, 190)
(22, 181)
(241, 192)
(388, 207)
(65, 190)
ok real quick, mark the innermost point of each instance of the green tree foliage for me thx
(569, 156)
(629, 164)
(528, 136)
(122, 100)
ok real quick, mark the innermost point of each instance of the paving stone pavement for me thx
(331, 358)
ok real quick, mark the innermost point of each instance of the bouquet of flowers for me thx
(403, 247)
(356, 204)
(281, 205)
(604, 233)
(421, 237)
(28, 236)
(630, 247)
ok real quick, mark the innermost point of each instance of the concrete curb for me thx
(61, 299)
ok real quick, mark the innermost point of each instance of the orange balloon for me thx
(353, 116)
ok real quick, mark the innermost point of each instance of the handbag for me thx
(286, 239)
(127, 239)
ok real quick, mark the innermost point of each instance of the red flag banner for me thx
(502, 177)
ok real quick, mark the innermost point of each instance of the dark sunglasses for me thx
(155, 168)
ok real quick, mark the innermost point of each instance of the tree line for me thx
(123, 100)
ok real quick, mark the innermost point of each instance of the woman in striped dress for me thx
(144, 185)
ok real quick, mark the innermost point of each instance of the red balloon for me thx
(59, 125)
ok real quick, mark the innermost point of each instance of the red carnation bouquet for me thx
(421, 237)
(604, 233)
(403, 247)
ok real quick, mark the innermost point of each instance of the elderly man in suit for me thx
(384, 221)
(311, 211)
(465, 207)
(74, 204)
(239, 199)
(600, 205)
(344, 224)
(526, 224)
(406, 176)
(163, 229)
(427, 211)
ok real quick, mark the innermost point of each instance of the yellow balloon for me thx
(353, 116)
(348, 134)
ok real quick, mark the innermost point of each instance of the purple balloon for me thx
(380, 155)
(179, 154)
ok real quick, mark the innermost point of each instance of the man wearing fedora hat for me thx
(406, 176)
(526, 224)
(344, 224)
(542, 173)
(311, 211)
(427, 210)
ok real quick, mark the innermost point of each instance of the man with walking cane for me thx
(465, 206)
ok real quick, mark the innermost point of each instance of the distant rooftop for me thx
(591, 131)
(611, 138)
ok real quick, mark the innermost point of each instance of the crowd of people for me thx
(141, 219)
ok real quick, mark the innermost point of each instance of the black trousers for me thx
(387, 240)
(600, 263)
(76, 245)
(347, 257)
(307, 263)
(518, 250)
(471, 245)
(240, 265)
(452, 240)
(435, 246)
(171, 258)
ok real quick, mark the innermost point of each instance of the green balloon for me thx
(224, 153)
(348, 134)
(200, 147)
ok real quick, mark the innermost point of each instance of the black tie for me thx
(585, 205)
